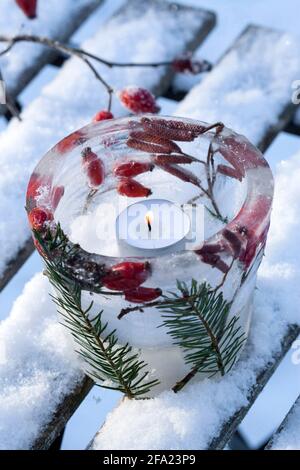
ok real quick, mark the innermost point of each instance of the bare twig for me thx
(12, 108)
(83, 55)
(209, 166)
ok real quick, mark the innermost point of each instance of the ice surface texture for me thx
(182, 161)
(75, 96)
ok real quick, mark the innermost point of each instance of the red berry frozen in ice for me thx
(56, 195)
(126, 275)
(131, 188)
(138, 100)
(70, 142)
(36, 187)
(103, 116)
(34, 184)
(93, 167)
(39, 217)
(28, 7)
(142, 294)
(132, 168)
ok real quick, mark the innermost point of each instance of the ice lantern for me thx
(171, 313)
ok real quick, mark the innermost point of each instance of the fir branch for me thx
(106, 358)
(196, 319)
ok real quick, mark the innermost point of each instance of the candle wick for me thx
(149, 225)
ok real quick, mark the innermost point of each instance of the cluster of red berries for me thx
(135, 99)
(40, 216)
(127, 185)
(128, 277)
(185, 64)
(138, 100)
(103, 116)
(28, 7)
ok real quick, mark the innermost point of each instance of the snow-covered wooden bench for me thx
(57, 19)
(249, 90)
(145, 31)
(39, 132)
(287, 437)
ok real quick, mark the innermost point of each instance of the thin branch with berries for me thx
(180, 64)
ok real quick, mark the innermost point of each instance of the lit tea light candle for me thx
(152, 224)
(149, 219)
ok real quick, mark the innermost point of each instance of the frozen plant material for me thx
(190, 303)
(61, 114)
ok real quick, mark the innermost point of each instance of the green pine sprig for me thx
(114, 366)
(196, 318)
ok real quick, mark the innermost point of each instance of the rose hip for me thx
(39, 217)
(142, 294)
(132, 168)
(56, 195)
(138, 100)
(93, 167)
(70, 142)
(35, 183)
(131, 188)
(28, 7)
(103, 116)
(126, 276)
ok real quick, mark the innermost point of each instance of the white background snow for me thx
(279, 274)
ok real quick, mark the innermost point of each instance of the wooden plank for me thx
(16, 263)
(292, 128)
(222, 86)
(207, 21)
(270, 130)
(288, 109)
(229, 428)
(62, 415)
(224, 436)
(284, 426)
(75, 18)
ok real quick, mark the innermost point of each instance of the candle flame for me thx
(149, 219)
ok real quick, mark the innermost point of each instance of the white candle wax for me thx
(152, 224)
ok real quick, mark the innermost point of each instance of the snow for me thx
(204, 406)
(72, 99)
(168, 421)
(289, 436)
(190, 420)
(250, 82)
(37, 366)
(53, 18)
